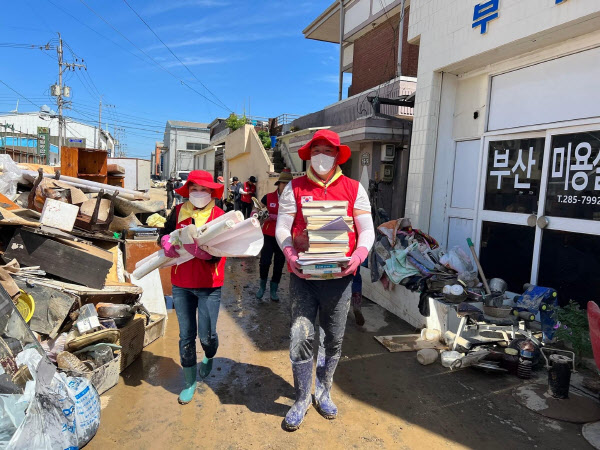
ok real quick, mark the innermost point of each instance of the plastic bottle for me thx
(427, 356)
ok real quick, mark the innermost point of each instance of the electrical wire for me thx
(175, 56)
(148, 56)
(19, 94)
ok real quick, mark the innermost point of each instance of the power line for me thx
(150, 57)
(19, 94)
(176, 57)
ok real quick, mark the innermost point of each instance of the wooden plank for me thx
(69, 260)
(136, 251)
(8, 204)
(93, 162)
(408, 343)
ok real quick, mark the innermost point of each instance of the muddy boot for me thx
(205, 367)
(302, 384)
(323, 382)
(261, 289)
(189, 375)
(358, 315)
(274, 286)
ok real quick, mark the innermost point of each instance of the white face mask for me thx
(200, 199)
(322, 164)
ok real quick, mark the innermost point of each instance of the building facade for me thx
(181, 142)
(373, 48)
(19, 134)
(506, 137)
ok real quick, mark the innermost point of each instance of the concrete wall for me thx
(176, 140)
(523, 34)
(246, 156)
(205, 160)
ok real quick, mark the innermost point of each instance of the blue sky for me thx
(250, 54)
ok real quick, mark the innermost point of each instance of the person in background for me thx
(170, 186)
(196, 283)
(178, 184)
(271, 248)
(329, 299)
(219, 201)
(235, 189)
(247, 192)
(357, 299)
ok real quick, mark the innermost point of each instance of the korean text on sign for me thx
(483, 13)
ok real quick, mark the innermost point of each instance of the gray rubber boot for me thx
(303, 385)
(324, 380)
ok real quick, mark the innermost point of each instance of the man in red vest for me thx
(270, 247)
(248, 191)
(329, 299)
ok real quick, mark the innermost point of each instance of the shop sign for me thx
(574, 176)
(484, 13)
(365, 159)
(514, 175)
(43, 141)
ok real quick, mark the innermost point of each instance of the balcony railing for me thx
(358, 107)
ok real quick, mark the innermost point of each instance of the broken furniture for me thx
(67, 259)
(97, 214)
(85, 163)
(116, 175)
(136, 250)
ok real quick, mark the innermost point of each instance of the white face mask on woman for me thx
(322, 164)
(200, 199)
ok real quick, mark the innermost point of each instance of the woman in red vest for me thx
(196, 283)
(328, 299)
(270, 247)
(248, 191)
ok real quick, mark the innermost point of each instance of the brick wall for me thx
(376, 56)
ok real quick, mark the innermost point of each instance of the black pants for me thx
(237, 205)
(271, 248)
(170, 199)
(246, 209)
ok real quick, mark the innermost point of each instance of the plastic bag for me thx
(457, 260)
(10, 175)
(156, 220)
(12, 413)
(63, 412)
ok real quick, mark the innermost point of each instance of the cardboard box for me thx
(105, 377)
(132, 341)
(155, 329)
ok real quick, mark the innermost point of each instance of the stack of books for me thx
(328, 241)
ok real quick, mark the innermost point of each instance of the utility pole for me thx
(97, 144)
(61, 91)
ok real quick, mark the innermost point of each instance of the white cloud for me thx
(163, 6)
(197, 61)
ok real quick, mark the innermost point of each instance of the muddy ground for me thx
(386, 400)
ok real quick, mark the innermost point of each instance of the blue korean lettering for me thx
(484, 13)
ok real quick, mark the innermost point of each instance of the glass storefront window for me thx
(513, 175)
(574, 176)
(570, 263)
(507, 252)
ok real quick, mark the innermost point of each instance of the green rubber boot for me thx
(261, 289)
(274, 286)
(205, 367)
(189, 374)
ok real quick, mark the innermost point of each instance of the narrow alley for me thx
(386, 400)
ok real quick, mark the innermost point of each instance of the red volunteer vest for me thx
(250, 189)
(268, 227)
(305, 190)
(198, 273)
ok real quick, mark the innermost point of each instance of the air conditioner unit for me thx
(388, 152)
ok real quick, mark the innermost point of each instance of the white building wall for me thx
(525, 32)
(178, 157)
(29, 122)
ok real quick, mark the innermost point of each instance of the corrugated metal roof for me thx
(183, 124)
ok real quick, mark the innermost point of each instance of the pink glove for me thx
(291, 256)
(193, 249)
(359, 255)
(170, 249)
(273, 217)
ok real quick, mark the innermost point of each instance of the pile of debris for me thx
(70, 312)
(473, 322)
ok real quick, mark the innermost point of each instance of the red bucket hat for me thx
(201, 178)
(330, 136)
